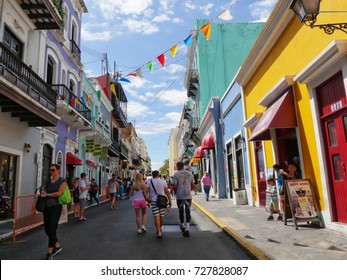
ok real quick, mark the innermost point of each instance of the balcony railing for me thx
(75, 49)
(22, 76)
(124, 150)
(118, 112)
(64, 93)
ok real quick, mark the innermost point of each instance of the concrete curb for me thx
(251, 250)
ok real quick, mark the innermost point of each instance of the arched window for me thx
(47, 159)
(72, 86)
(50, 70)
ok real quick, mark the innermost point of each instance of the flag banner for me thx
(78, 101)
(97, 150)
(67, 101)
(150, 66)
(139, 72)
(174, 50)
(98, 94)
(132, 74)
(89, 145)
(83, 101)
(113, 89)
(206, 29)
(188, 41)
(161, 59)
(87, 99)
(72, 102)
(225, 15)
(124, 80)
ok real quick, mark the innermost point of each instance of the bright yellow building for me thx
(295, 104)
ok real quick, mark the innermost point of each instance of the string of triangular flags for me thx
(206, 30)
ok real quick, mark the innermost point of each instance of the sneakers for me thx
(186, 233)
(56, 251)
(182, 228)
(83, 219)
(280, 218)
(49, 256)
(270, 218)
(139, 231)
(143, 228)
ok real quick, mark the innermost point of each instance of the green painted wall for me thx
(219, 59)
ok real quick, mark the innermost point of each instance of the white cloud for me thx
(136, 109)
(138, 26)
(206, 9)
(260, 10)
(173, 68)
(161, 18)
(174, 97)
(167, 6)
(112, 8)
(189, 5)
(95, 36)
(177, 20)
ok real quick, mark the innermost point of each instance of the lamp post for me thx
(307, 12)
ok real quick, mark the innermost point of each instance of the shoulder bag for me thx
(161, 199)
(40, 203)
(65, 198)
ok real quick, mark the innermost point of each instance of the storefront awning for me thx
(279, 115)
(208, 142)
(71, 159)
(92, 163)
(199, 152)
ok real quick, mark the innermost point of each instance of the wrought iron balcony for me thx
(63, 93)
(16, 72)
(75, 49)
(124, 151)
(45, 14)
(119, 104)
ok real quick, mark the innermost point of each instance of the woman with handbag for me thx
(53, 188)
(158, 188)
(139, 197)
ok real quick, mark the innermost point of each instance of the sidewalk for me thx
(264, 239)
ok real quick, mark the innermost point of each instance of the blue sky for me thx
(135, 32)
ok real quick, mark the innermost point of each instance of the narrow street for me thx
(111, 235)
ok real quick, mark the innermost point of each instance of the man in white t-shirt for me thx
(183, 181)
(83, 187)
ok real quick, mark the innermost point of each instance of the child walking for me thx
(274, 204)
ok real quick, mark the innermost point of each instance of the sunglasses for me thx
(52, 170)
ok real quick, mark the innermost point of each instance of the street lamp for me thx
(307, 12)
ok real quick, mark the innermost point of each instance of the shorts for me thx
(83, 203)
(140, 203)
(113, 194)
(156, 211)
(274, 206)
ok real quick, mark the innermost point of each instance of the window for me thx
(13, 43)
(72, 86)
(50, 71)
(46, 161)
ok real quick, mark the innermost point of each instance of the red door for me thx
(333, 111)
(261, 174)
(336, 135)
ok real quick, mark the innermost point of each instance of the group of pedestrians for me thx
(142, 193)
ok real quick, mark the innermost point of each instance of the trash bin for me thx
(240, 197)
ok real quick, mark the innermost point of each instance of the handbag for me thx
(161, 199)
(65, 198)
(40, 203)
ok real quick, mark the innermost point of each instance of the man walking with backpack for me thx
(183, 181)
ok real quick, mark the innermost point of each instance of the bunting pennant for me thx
(206, 29)
(187, 41)
(161, 59)
(150, 66)
(87, 99)
(139, 72)
(78, 101)
(83, 101)
(132, 74)
(124, 80)
(113, 89)
(98, 94)
(226, 15)
(174, 50)
(72, 102)
(67, 101)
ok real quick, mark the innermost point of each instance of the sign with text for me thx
(302, 200)
(89, 145)
(97, 150)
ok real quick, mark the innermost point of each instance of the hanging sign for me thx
(97, 150)
(104, 153)
(89, 145)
